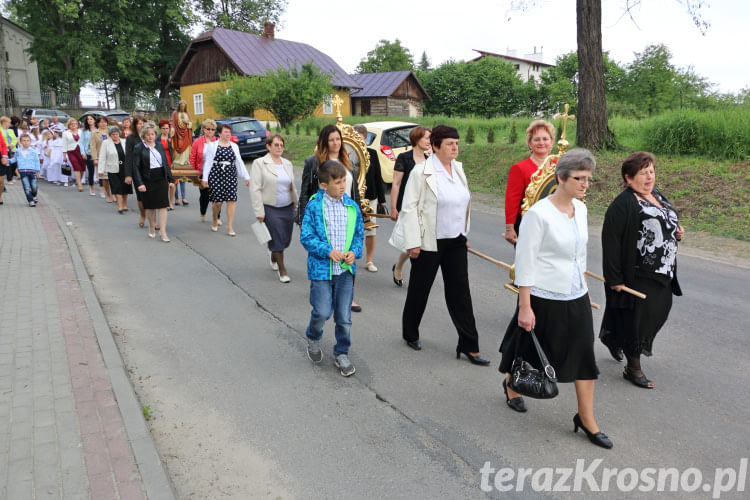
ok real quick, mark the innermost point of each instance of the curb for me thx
(155, 479)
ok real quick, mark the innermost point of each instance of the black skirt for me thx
(634, 329)
(157, 190)
(565, 330)
(280, 222)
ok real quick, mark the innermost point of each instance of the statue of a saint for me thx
(182, 135)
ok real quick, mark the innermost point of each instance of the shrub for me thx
(490, 135)
(296, 128)
(513, 135)
(470, 135)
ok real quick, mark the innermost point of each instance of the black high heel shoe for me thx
(475, 359)
(516, 403)
(400, 282)
(599, 439)
(615, 352)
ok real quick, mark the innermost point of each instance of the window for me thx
(327, 105)
(517, 66)
(198, 104)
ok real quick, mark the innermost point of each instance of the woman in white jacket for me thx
(73, 152)
(222, 164)
(435, 219)
(553, 296)
(274, 200)
(110, 165)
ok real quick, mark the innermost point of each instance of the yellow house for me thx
(219, 50)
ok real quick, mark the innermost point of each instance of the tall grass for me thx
(721, 134)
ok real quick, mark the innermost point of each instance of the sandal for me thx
(641, 381)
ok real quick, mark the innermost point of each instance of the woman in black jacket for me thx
(152, 176)
(130, 142)
(639, 250)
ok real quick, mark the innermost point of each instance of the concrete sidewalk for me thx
(70, 424)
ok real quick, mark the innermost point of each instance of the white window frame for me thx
(328, 105)
(198, 103)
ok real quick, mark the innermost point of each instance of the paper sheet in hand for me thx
(261, 232)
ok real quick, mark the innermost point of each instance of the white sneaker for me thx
(65, 185)
(371, 267)
(342, 363)
(274, 265)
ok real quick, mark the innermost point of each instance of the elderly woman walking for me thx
(111, 166)
(152, 176)
(274, 200)
(222, 164)
(208, 127)
(639, 250)
(553, 296)
(435, 216)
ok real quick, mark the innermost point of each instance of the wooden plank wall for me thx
(207, 64)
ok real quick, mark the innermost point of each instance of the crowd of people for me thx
(431, 204)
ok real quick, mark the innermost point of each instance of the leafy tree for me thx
(488, 87)
(386, 56)
(424, 62)
(241, 15)
(651, 79)
(290, 94)
(63, 47)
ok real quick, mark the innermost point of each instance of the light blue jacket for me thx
(28, 162)
(314, 237)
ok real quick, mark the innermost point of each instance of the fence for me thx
(13, 102)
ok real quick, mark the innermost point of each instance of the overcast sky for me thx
(450, 29)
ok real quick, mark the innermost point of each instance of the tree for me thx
(242, 15)
(424, 62)
(386, 56)
(289, 94)
(63, 47)
(591, 126)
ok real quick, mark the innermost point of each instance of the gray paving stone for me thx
(19, 489)
(46, 434)
(20, 449)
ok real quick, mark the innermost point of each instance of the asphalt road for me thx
(215, 346)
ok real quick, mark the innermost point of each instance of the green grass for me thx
(711, 192)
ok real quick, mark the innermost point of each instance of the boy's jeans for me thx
(332, 297)
(29, 185)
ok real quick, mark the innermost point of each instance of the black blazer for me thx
(142, 164)
(130, 143)
(374, 179)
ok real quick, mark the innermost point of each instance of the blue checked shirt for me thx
(335, 214)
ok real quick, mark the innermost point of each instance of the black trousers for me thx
(90, 170)
(451, 258)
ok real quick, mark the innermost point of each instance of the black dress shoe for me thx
(475, 359)
(516, 403)
(599, 439)
(414, 344)
(356, 308)
(396, 281)
(615, 352)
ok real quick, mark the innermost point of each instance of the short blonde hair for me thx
(4, 119)
(69, 122)
(536, 125)
(149, 125)
(208, 122)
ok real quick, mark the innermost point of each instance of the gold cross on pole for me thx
(337, 102)
(564, 117)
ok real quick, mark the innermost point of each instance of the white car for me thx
(389, 139)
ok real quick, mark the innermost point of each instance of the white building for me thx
(19, 76)
(529, 66)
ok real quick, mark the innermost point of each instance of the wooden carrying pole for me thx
(624, 288)
(499, 263)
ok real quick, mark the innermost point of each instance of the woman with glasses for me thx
(208, 127)
(639, 250)
(553, 296)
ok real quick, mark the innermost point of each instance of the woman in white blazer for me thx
(435, 221)
(222, 164)
(553, 296)
(274, 200)
(73, 152)
(111, 165)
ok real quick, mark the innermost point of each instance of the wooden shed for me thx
(210, 55)
(393, 93)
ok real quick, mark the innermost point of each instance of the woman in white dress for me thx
(54, 172)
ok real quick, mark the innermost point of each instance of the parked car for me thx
(116, 115)
(249, 134)
(44, 114)
(389, 139)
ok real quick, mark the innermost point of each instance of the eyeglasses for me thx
(209, 129)
(583, 179)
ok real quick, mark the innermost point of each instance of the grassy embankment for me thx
(702, 161)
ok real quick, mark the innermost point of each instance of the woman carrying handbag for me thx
(553, 297)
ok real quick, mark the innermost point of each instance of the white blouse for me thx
(453, 200)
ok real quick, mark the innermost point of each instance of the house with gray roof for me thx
(392, 93)
(210, 55)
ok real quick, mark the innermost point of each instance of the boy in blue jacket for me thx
(332, 232)
(27, 165)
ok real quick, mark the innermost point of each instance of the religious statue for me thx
(182, 135)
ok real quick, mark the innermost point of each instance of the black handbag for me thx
(65, 169)
(533, 383)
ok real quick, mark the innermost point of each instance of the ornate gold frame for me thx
(543, 182)
(356, 144)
